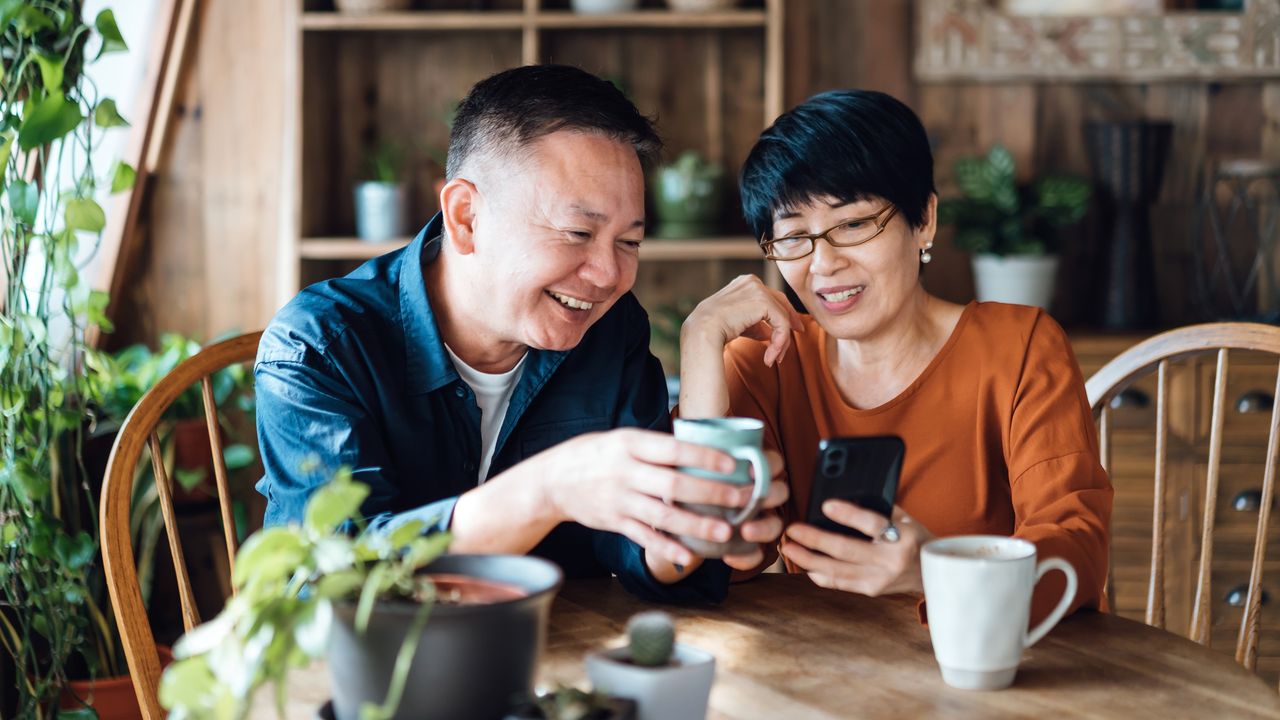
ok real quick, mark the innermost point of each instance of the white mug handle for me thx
(760, 467)
(1047, 624)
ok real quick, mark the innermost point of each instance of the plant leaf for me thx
(6, 146)
(24, 200)
(51, 119)
(85, 214)
(333, 504)
(50, 71)
(107, 116)
(270, 556)
(29, 21)
(112, 40)
(123, 176)
(186, 682)
(238, 456)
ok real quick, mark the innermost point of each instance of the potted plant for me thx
(603, 6)
(381, 213)
(687, 196)
(1012, 229)
(668, 680)
(571, 703)
(311, 589)
(56, 625)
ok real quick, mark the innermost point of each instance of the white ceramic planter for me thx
(1017, 279)
(380, 211)
(597, 7)
(678, 692)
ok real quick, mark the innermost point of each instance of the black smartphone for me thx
(862, 470)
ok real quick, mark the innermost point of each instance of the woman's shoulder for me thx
(1003, 327)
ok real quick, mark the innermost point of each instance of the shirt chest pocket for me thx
(537, 438)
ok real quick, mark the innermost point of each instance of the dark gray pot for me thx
(473, 661)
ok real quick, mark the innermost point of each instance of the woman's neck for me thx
(873, 370)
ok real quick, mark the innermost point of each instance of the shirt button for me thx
(459, 391)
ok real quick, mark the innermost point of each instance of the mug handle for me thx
(1047, 624)
(760, 467)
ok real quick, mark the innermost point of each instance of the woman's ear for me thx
(459, 203)
(929, 224)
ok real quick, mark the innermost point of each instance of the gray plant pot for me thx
(380, 211)
(473, 661)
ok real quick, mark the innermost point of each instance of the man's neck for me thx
(462, 328)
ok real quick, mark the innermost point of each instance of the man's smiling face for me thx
(559, 242)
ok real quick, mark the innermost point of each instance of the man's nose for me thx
(600, 268)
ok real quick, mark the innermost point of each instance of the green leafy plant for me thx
(51, 119)
(287, 579)
(119, 381)
(571, 703)
(997, 215)
(385, 162)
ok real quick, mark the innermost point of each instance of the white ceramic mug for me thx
(977, 589)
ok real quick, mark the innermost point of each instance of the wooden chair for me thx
(139, 431)
(1216, 339)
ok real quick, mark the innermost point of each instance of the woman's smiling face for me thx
(854, 292)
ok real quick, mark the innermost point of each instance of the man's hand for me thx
(626, 481)
(869, 567)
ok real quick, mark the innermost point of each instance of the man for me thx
(494, 377)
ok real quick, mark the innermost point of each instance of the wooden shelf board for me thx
(727, 248)
(562, 19)
(422, 20)
(652, 19)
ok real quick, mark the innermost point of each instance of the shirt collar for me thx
(427, 362)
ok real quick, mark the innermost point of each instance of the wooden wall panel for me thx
(212, 224)
(210, 263)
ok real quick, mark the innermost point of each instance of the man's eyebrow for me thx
(599, 216)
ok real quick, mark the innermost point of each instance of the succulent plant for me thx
(652, 636)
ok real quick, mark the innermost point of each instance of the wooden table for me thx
(788, 649)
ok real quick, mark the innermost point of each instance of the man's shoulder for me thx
(365, 301)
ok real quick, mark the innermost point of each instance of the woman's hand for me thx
(869, 567)
(744, 307)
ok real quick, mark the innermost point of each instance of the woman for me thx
(987, 396)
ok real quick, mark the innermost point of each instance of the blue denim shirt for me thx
(353, 372)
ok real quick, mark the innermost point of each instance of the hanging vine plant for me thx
(51, 119)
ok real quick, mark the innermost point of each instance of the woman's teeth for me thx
(840, 296)
(574, 303)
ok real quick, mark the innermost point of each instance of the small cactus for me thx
(652, 636)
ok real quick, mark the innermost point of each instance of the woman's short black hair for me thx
(844, 144)
(506, 112)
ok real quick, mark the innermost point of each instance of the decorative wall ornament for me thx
(975, 40)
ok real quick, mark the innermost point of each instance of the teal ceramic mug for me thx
(743, 439)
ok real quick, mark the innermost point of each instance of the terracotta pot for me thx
(112, 698)
(191, 451)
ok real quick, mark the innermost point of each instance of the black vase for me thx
(1128, 163)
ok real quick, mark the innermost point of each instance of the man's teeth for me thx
(842, 295)
(574, 303)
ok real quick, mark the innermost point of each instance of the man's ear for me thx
(459, 202)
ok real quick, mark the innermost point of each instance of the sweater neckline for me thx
(828, 373)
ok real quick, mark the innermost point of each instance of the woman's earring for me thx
(925, 256)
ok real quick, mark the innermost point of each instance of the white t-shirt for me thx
(493, 394)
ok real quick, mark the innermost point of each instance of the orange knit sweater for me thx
(999, 436)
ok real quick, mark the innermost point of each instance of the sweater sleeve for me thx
(1061, 495)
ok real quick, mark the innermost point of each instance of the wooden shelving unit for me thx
(713, 79)
(654, 249)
